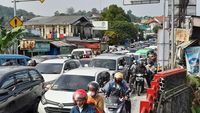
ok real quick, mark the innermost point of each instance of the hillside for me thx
(7, 13)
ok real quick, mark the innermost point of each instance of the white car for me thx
(53, 68)
(59, 97)
(82, 53)
(111, 61)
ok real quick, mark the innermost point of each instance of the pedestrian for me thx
(80, 101)
(94, 98)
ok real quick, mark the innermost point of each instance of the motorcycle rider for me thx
(119, 87)
(80, 100)
(94, 98)
(140, 69)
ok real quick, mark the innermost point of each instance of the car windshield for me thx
(104, 63)
(78, 53)
(49, 68)
(72, 82)
(84, 62)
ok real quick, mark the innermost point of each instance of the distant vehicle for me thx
(85, 61)
(112, 62)
(65, 56)
(13, 59)
(21, 89)
(53, 68)
(82, 53)
(58, 99)
(144, 52)
(42, 58)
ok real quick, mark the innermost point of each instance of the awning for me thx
(61, 44)
(186, 44)
(93, 46)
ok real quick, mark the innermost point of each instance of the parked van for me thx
(82, 53)
(13, 59)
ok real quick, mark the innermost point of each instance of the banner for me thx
(192, 55)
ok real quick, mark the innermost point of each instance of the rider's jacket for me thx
(98, 102)
(114, 89)
(86, 109)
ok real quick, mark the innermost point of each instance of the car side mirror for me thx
(4, 92)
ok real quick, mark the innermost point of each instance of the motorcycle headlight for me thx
(43, 100)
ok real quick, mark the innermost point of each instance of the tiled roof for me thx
(159, 19)
(54, 20)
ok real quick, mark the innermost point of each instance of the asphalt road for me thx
(135, 102)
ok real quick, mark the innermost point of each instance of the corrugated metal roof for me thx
(61, 44)
(54, 20)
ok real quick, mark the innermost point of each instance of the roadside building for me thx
(58, 27)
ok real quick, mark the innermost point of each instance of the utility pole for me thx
(14, 8)
(164, 7)
(172, 36)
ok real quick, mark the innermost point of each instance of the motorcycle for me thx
(139, 83)
(114, 104)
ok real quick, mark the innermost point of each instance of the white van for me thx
(59, 97)
(82, 53)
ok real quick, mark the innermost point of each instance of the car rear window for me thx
(72, 82)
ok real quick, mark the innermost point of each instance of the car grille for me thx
(57, 110)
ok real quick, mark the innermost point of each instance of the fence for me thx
(168, 93)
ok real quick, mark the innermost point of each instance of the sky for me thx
(50, 6)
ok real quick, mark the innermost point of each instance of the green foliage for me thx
(114, 13)
(8, 38)
(156, 28)
(194, 82)
(119, 31)
(133, 17)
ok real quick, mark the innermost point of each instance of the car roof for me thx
(81, 49)
(109, 56)
(56, 60)
(4, 70)
(89, 71)
(13, 56)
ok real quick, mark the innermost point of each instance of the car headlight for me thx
(43, 100)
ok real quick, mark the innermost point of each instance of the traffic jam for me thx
(100, 83)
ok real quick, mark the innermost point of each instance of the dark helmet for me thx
(94, 86)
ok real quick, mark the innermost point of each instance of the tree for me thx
(57, 13)
(156, 28)
(70, 11)
(94, 11)
(114, 13)
(120, 31)
(133, 17)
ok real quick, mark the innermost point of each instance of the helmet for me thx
(94, 86)
(118, 75)
(80, 94)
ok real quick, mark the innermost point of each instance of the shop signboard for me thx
(27, 44)
(41, 47)
(137, 2)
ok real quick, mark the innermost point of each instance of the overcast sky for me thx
(50, 6)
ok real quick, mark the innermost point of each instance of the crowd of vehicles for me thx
(51, 83)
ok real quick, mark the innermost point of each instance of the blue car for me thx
(13, 59)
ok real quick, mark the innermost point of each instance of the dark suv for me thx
(21, 89)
